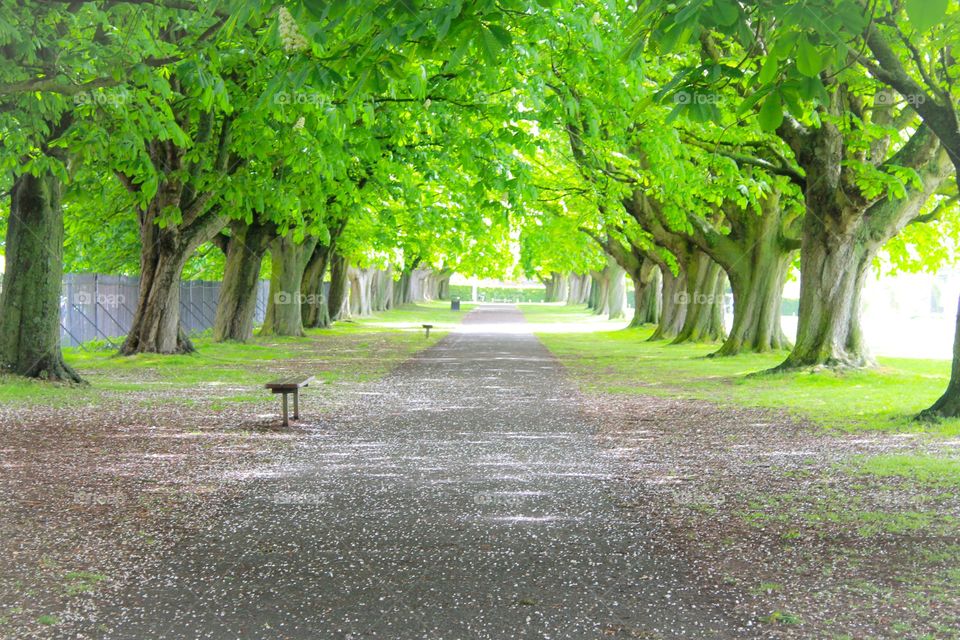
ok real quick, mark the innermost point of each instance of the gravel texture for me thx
(465, 495)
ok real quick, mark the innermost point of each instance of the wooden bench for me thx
(286, 386)
(428, 327)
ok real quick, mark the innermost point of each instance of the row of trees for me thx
(694, 147)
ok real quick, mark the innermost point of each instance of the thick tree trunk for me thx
(315, 310)
(156, 322)
(757, 301)
(842, 231)
(360, 292)
(443, 285)
(289, 259)
(616, 304)
(32, 281)
(599, 291)
(381, 287)
(672, 312)
(578, 290)
(646, 285)
(703, 297)
(757, 270)
(831, 279)
(948, 404)
(241, 275)
(338, 287)
(556, 288)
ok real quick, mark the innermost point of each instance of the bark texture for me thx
(237, 304)
(32, 281)
(289, 259)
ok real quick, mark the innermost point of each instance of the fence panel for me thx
(101, 307)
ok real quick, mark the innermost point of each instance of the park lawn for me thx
(354, 350)
(623, 361)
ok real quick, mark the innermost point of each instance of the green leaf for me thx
(924, 14)
(771, 113)
(809, 62)
(769, 69)
(501, 34)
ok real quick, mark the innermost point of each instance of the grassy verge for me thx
(623, 361)
(379, 342)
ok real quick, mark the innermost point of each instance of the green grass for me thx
(378, 342)
(622, 361)
(925, 469)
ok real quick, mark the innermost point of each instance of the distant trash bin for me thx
(455, 303)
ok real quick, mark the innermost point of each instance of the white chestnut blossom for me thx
(293, 41)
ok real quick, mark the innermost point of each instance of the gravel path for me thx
(463, 496)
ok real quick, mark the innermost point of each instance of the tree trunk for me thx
(757, 268)
(948, 404)
(599, 291)
(672, 311)
(315, 310)
(703, 298)
(577, 289)
(443, 287)
(289, 259)
(359, 283)
(842, 231)
(757, 302)
(241, 275)
(156, 322)
(32, 281)
(556, 288)
(646, 285)
(338, 286)
(616, 304)
(381, 287)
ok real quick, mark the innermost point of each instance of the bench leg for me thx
(296, 404)
(286, 421)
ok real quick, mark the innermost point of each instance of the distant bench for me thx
(288, 386)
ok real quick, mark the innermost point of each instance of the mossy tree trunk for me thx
(237, 305)
(842, 232)
(703, 299)
(315, 309)
(672, 312)
(646, 287)
(288, 260)
(338, 287)
(165, 245)
(32, 281)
